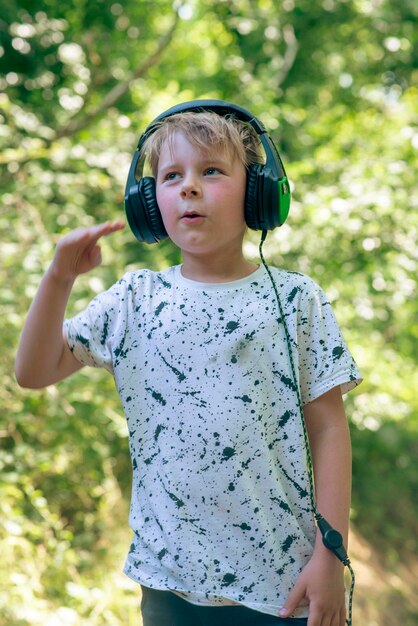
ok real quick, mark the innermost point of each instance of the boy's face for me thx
(201, 198)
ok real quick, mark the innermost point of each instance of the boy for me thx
(223, 526)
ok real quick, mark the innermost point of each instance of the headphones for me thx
(267, 197)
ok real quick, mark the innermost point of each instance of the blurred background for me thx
(335, 82)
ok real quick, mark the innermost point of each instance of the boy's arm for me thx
(43, 356)
(321, 582)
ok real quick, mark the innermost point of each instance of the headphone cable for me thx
(318, 517)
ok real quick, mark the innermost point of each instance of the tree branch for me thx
(292, 47)
(119, 90)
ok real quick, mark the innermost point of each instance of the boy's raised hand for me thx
(79, 252)
(43, 357)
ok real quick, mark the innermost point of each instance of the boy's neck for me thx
(216, 270)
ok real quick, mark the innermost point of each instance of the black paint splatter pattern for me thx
(220, 503)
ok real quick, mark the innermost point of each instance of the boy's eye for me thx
(211, 171)
(171, 175)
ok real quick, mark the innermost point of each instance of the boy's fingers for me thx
(102, 230)
(294, 599)
(79, 251)
(342, 617)
(116, 225)
(96, 256)
(90, 236)
(315, 617)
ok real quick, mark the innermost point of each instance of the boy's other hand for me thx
(321, 586)
(79, 252)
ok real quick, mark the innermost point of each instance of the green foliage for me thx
(334, 81)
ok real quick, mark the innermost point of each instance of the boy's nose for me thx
(190, 188)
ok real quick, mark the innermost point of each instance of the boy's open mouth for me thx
(191, 215)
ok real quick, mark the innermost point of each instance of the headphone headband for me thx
(221, 107)
(268, 192)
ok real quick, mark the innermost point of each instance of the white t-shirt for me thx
(220, 503)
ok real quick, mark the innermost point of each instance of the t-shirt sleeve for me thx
(324, 358)
(93, 334)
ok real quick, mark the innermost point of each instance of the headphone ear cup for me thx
(143, 213)
(152, 213)
(251, 206)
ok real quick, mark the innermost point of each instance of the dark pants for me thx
(163, 608)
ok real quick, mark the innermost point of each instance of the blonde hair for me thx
(205, 130)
